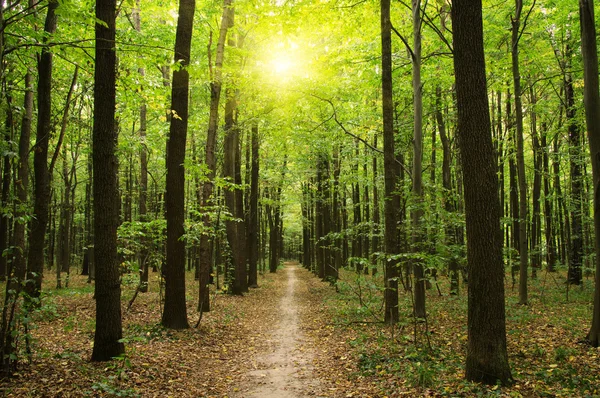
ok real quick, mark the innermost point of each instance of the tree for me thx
(417, 187)
(523, 253)
(174, 313)
(575, 244)
(253, 227)
(210, 160)
(109, 331)
(389, 159)
(487, 359)
(41, 187)
(143, 189)
(592, 118)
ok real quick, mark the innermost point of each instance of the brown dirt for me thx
(285, 369)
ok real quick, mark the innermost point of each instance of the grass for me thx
(544, 339)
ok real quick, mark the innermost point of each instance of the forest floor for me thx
(296, 336)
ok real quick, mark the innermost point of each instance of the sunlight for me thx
(282, 64)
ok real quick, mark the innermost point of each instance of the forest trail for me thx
(285, 370)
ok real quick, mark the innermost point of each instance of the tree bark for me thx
(205, 252)
(174, 313)
(6, 177)
(449, 202)
(487, 359)
(417, 171)
(253, 226)
(548, 208)
(591, 97)
(22, 185)
(389, 166)
(575, 275)
(41, 187)
(107, 339)
(523, 252)
(143, 187)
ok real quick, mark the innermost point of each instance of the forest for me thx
(297, 198)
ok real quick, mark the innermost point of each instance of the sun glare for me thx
(282, 62)
(282, 65)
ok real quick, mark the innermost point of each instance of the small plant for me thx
(108, 386)
(539, 351)
(562, 353)
(422, 375)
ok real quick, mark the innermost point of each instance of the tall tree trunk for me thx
(417, 170)
(337, 244)
(357, 251)
(41, 188)
(563, 216)
(449, 203)
(253, 226)
(389, 166)
(574, 276)
(592, 117)
(513, 194)
(548, 209)
(329, 274)
(88, 256)
(536, 225)
(487, 359)
(375, 242)
(205, 252)
(319, 218)
(6, 177)
(235, 234)
(366, 230)
(174, 313)
(143, 192)
(109, 332)
(523, 252)
(22, 185)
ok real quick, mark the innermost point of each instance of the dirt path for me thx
(285, 370)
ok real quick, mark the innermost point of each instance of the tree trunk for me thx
(174, 313)
(22, 184)
(41, 188)
(6, 177)
(487, 359)
(389, 166)
(319, 212)
(574, 276)
(523, 252)
(235, 234)
(536, 227)
(592, 117)
(548, 209)
(417, 170)
(375, 242)
(253, 226)
(366, 230)
(357, 219)
(449, 204)
(205, 252)
(107, 339)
